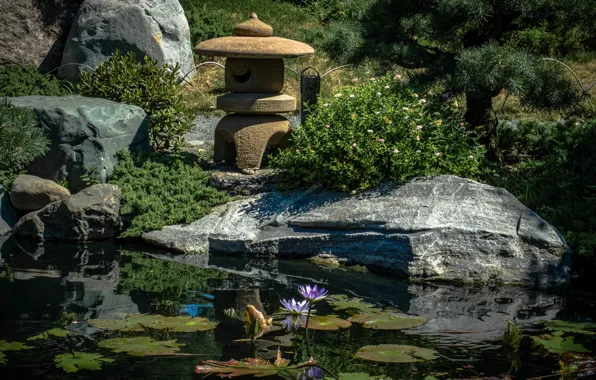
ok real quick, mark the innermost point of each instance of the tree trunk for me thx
(478, 107)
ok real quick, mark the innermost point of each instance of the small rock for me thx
(90, 215)
(194, 143)
(31, 193)
(8, 215)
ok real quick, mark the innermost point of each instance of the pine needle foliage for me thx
(22, 138)
(160, 190)
(479, 46)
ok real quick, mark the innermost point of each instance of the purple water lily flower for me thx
(311, 373)
(296, 308)
(293, 322)
(312, 293)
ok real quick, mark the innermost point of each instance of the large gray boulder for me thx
(31, 193)
(438, 229)
(90, 215)
(8, 215)
(154, 28)
(85, 134)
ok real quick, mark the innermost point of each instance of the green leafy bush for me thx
(147, 85)
(551, 167)
(379, 130)
(22, 139)
(159, 190)
(18, 80)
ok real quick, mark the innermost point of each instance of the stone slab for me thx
(261, 103)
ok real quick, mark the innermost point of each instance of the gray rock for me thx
(236, 183)
(85, 133)
(154, 28)
(31, 193)
(90, 215)
(8, 215)
(435, 229)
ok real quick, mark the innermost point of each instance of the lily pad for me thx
(356, 376)
(139, 322)
(75, 361)
(11, 346)
(388, 320)
(396, 353)
(556, 344)
(141, 346)
(329, 322)
(351, 305)
(571, 327)
(57, 332)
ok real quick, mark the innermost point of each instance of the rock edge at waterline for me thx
(434, 229)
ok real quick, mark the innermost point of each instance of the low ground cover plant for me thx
(162, 189)
(380, 130)
(22, 139)
(153, 87)
(17, 80)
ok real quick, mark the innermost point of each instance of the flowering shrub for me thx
(379, 130)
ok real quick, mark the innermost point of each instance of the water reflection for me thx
(100, 281)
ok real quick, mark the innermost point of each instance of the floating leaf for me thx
(139, 322)
(395, 353)
(329, 322)
(141, 346)
(351, 305)
(571, 327)
(11, 346)
(75, 361)
(388, 320)
(57, 332)
(356, 376)
(256, 324)
(555, 344)
(252, 366)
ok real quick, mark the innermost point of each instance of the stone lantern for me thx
(254, 78)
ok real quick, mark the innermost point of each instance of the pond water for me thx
(40, 285)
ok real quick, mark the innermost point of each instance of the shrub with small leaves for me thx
(160, 190)
(380, 130)
(22, 139)
(122, 78)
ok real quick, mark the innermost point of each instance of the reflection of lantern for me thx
(254, 79)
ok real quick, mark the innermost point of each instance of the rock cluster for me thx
(85, 134)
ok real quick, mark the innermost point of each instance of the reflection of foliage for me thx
(141, 322)
(170, 279)
(556, 344)
(11, 346)
(252, 366)
(141, 346)
(57, 332)
(511, 341)
(75, 361)
(395, 353)
(65, 318)
(350, 305)
(571, 327)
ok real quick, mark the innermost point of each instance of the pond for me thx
(76, 309)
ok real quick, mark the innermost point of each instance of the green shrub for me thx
(206, 23)
(22, 139)
(150, 86)
(551, 167)
(379, 130)
(17, 80)
(160, 190)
